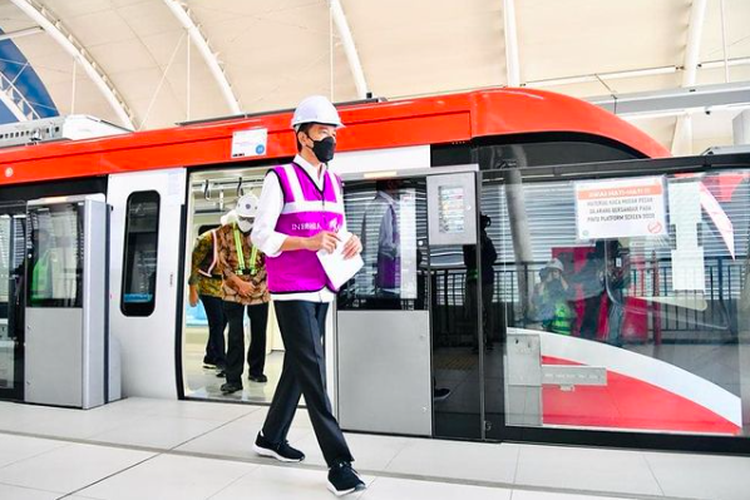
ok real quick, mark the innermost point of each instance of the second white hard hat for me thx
(316, 109)
(247, 206)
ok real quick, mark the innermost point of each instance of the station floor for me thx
(156, 449)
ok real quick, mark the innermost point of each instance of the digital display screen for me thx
(451, 209)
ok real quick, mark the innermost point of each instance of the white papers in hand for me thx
(338, 269)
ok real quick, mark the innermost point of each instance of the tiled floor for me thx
(202, 383)
(151, 449)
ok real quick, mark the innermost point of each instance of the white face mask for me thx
(244, 225)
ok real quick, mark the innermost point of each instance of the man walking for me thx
(301, 212)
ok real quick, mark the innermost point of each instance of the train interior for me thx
(212, 195)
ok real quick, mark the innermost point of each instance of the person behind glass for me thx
(489, 256)
(617, 281)
(591, 278)
(205, 285)
(301, 212)
(244, 285)
(550, 299)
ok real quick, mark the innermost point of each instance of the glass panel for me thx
(455, 346)
(141, 239)
(455, 340)
(56, 256)
(391, 219)
(625, 303)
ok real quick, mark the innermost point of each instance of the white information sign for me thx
(620, 209)
(249, 143)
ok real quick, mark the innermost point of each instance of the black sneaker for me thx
(262, 379)
(209, 366)
(230, 387)
(343, 479)
(281, 452)
(221, 374)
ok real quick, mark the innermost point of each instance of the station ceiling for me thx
(153, 63)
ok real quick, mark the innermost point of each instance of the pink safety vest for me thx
(307, 211)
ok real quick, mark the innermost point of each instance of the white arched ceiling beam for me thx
(185, 17)
(54, 27)
(339, 18)
(683, 130)
(511, 44)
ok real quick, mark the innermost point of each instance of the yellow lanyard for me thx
(241, 254)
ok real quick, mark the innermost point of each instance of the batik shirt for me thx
(229, 263)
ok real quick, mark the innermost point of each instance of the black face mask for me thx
(324, 149)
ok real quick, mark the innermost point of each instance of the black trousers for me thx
(217, 322)
(256, 355)
(302, 327)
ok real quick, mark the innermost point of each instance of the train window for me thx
(559, 152)
(55, 253)
(139, 265)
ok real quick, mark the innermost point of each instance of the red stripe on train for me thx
(628, 403)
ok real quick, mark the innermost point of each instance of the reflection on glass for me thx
(636, 322)
(55, 257)
(488, 258)
(388, 216)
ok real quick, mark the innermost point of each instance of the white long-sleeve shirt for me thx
(269, 241)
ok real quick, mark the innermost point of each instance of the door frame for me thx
(16, 314)
(425, 173)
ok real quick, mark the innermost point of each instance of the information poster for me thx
(248, 143)
(623, 208)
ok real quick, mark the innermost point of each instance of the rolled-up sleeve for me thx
(264, 235)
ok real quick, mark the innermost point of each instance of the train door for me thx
(407, 353)
(212, 197)
(147, 220)
(12, 266)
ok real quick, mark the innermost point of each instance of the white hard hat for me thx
(228, 218)
(555, 264)
(247, 205)
(316, 109)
